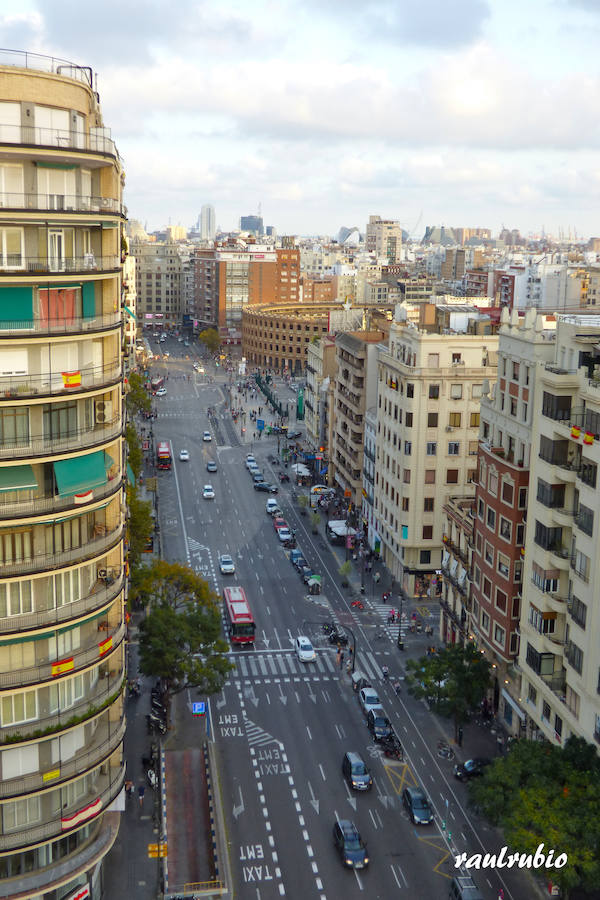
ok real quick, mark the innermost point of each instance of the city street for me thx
(282, 726)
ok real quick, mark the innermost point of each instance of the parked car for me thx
(226, 564)
(258, 477)
(349, 844)
(417, 805)
(378, 723)
(284, 534)
(250, 461)
(356, 772)
(359, 680)
(265, 486)
(293, 435)
(297, 558)
(271, 506)
(278, 523)
(304, 649)
(471, 768)
(367, 697)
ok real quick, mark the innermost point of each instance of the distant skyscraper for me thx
(253, 224)
(207, 223)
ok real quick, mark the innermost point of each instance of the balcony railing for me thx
(61, 202)
(93, 547)
(100, 595)
(98, 140)
(18, 386)
(39, 505)
(83, 762)
(81, 659)
(89, 262)
(46, 445)
(41, 63)
(70, 325)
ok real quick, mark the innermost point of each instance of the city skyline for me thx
(471, 114)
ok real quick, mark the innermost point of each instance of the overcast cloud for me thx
(463, 113)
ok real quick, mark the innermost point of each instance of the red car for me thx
(278, 523)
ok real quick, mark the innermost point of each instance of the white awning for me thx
(462, 574)
(514, 704)
(445, 558)
(453, 566)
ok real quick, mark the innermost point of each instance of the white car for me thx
(284, 534)
(207, 436)
(226, 564)
(305, 650)
(250, 462)
(161, 392)
(271, 506)
(209, 492)
(184, 455)
(368, 699)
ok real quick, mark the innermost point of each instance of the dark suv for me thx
(417, 805)
(349, 844)
(378, 724)
(355, 772)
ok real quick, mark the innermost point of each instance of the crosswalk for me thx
(274, 667)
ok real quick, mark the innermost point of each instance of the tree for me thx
(302, 503)
(454, 680)
(135, 455)
(210, 338)
(137, 398)
(315, 521)
(180, 638)
(344, 571)
(140, 525)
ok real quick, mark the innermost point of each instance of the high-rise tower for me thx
(207, 223)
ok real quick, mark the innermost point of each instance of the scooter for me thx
(152, 779)
(156, 724)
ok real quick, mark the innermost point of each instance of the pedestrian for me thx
(500, 744)
(393, 615)
(129, 788)
(501, 894)
(141, 792)
(341, 659)
(460, 735)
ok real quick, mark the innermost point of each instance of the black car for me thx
(299, 562)
(378, 724)
(349, 844)
(265, 486)
(417, 805)
(294, 435)
(471, 768)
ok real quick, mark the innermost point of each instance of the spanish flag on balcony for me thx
(71, 379)
(64, 665)
(588, 438)
(575, 432)
(105, 646)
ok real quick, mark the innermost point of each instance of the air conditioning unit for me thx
(102, 573)
(448, 427)
(103, 411)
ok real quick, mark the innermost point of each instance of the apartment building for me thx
(355, 391)
(507, 413)
(158, 279)
(560, 622)
(453, 586)
(277, 337)
(383, 237)
(318, 393)
(369, 522)
(429, 390)
(62, 504)
(453, 267)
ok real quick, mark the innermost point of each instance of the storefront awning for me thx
(80, 474)
(17, 478)
(514, 704)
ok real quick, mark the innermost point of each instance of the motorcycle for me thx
(392, 748)
(335, 637)
(152, 779)
(154, 723)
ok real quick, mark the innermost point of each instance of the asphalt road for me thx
(281, 726)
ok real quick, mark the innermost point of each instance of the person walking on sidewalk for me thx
(141, 792)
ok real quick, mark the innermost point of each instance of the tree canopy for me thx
(210, 338)
(180, 637)
(540, 793)
(140, 526)
(454, 680)
(137, 398)
(135, 454)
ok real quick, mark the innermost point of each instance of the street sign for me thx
(260, 424)
(157, 851)
(199, 709)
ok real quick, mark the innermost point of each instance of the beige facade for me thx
(277, 337)
(62, 501)
(158, 281)
(384, 238)
(429, 390)
(355, 391)
(318, 394)
(559, 656)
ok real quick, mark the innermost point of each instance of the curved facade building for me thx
(276, 337)
(62, 504)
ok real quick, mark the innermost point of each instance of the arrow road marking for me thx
(351, 799)
(237, 810)
(282, 696)
(313, 800)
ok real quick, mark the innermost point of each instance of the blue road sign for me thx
(260, 424)
(199, 709)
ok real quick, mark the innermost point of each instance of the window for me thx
(407, 448)
(518, 571)
(581, 565)
(406, 476)
(585, 519)
(515, 371)
(480, 508)
(554, 452)
(456, 391)
(456, 358)
(520, 535)
(503, 565)
(545, 709)
(491, 518)
(434, 392)
(476, 391)
(409, 420)
(405, 504)
(507, 492)
(474, 421)
(485, 621)
(425, 557)
(454, 420)
(493, 482)
(487, 588)
(522, 498)
(574, 656)
(432, 420)
(429, 476)
(12, 248)
(505, 529)
(14, 426)
(427, 532)
(453, 448)
(19, 708)
(451, 476)
(410, 390)
(431, 448)
(15, 598)
(547, 538)
(489, 553)
(18, 814)
(501, 600)
(16, 546)
(578, 611)
(428, 504)
(556, 407)
(513, 407)
(477, 574)
(499, 635)
(531, 695)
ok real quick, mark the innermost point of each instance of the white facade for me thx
(208, 225)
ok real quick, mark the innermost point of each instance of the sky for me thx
(323, 112)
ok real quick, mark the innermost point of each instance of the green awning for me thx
(108, 460)
(17, 478)
(130, 475)
(80, 474)
(133, 315)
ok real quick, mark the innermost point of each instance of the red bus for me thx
(238, 616)
(163, 455)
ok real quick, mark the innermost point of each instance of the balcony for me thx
(556, 602)
(71, 325)
(78, 439)
(15, 263)
(94, 547)
(564, 516)
(560, 557)
(19, 386)
(40, 505)
(101, 595)
(81, 659)
(567, 472)
(61, 203)
(107, 738)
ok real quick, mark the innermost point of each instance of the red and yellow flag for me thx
(64, 665)
(588, 438)
(71, 379)
(105, 646)
(575, 432)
